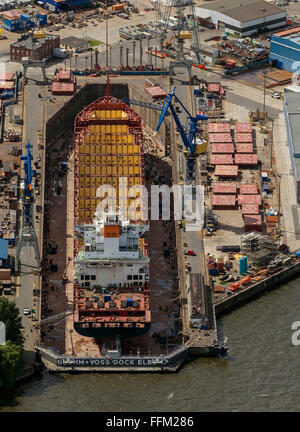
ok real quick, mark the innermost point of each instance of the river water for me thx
(260, 373)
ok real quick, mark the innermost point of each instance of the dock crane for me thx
(28, 235)
(190, 134)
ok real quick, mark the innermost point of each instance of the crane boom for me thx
(189, 135)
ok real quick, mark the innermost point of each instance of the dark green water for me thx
(261, 372)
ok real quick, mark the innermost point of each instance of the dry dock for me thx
(192, 318)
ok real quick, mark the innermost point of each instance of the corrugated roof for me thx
(252, 219)
(221, 159)
(243, 137)
(220, 137)
(243, 127)
(243, 10)
(227, 170)
(223, 200)
(222, 148)
(248, 189)
(287, 32)
(244, 148)
(249, 208)
(224, 188)
(218, 127)
(246, 159)
(249, 199)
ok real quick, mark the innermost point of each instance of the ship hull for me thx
(111, 332)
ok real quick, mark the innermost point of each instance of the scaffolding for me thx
(260, 249)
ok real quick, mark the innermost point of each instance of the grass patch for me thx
(93, 42)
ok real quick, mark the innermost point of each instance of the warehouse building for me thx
(285, 49)
(28, 45)
(74, 44)
(292, 121)
(242, 17)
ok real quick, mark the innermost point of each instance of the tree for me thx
(11, 354)
(10, 315)
(10, 362)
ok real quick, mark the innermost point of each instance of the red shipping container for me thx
(213, 87)
(226, 170)
(223, 202)
(64, 75)
(219, 127)
(63, 89)
(252, 222)
(222, 159)
(248, 189)
(220, 137)
(224, 188)
(243, 137)
(243, 127)
(250, 209)
(220, 264)
(222, 148)
(246, 159)
(156, 92)
(249, 199)
(244, 148)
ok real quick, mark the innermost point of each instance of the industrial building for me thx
(74, 44)
(13, 20)
(31, 46)
(64, 5)
(209, 54)
(244, 19)
(285, 49)
(292, 120)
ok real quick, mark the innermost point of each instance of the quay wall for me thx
(164, 363)
(253, 291)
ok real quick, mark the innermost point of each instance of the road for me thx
(27, 281)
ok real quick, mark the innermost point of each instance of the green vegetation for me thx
(10, 363)
(93, 42)
(11, 352)
(9, 314)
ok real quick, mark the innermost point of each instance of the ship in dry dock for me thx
(111, 263)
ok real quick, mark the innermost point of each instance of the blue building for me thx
(41, 18)
(3, 252)
(292, 121)
(285, 49)
(64, 5)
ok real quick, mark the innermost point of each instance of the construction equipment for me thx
(167, 44)
(142, 103)
(28, 235)
(53, 319)
(184, 29)
(190, 135)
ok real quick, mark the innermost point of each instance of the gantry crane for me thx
(28, 235)
(184, 30)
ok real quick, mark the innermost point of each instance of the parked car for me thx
(27, 311)
(276, 95)
(190, 252)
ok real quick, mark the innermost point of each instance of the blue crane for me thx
(27, 196)
(27, 235)
(191, 131)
